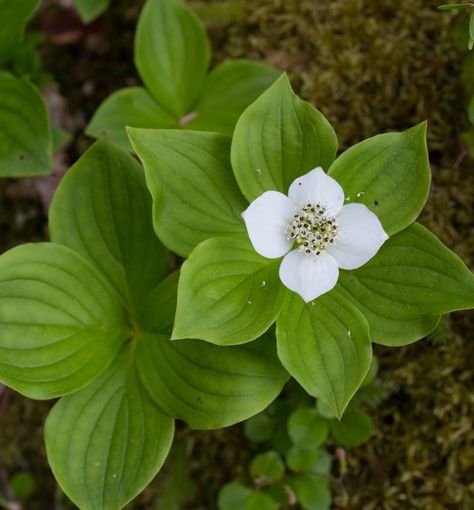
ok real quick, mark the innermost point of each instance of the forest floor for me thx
(370, 67)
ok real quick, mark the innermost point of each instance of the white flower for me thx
(326, 234)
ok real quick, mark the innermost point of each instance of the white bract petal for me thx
(360, 236)
(317, 187)
(308, 275)
(266, 219)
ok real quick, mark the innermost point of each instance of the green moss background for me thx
(370, 67)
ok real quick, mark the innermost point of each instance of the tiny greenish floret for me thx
(326, 234)
(311, 229)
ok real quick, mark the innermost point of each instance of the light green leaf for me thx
(308, 460)
(25, 134)
(106, 442)
(195, 196)
(228, 90)
(232, 496)
(389, 173)
(258, 500)
(354, 428)
(89, 10)
(171, 54)
(61, 322)
(279, 138)
(209, 386)
(471, 26)
(307, 428)
(268, 465)
(102, 210)
(404, 289)
(228, 294)
(312, 492)
(131, 106)
(325, 345)
(15, 16)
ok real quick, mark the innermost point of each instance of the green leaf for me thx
(15, 16)
(195, 196)
(325, 345)
(471, 26)
(158, 312)
(268, 465)
(259, 428)
(102, 210)
(389, 173)
(258, 500)
(312, 492)
(23, 485)
(279, 138)
(404, 289)
(308, 460)
(228, 294)
(175, 487)
(106, 442)
(209, 386)
(232, 496)
(171, 54)
(354, 428)
(449, 7)
(89, 10)
(131, 106)
(25, 135)
(228, 90)
(307, 428)
(62, 323)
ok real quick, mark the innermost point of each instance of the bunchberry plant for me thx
(88, 318)
(172, 54)
(299, 443)
(25, 133)
(230, 294)
(89, 10)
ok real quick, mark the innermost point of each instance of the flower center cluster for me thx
(312, 229)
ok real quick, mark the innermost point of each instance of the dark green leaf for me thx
(312, 492)
(232, 496)
(25, 135)
(308, 460)
(279, 138)
(259, 428)
(14, 15)
(258, 500)
(90, 9)
(354, 428)
(268, 465)
(306, 428)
